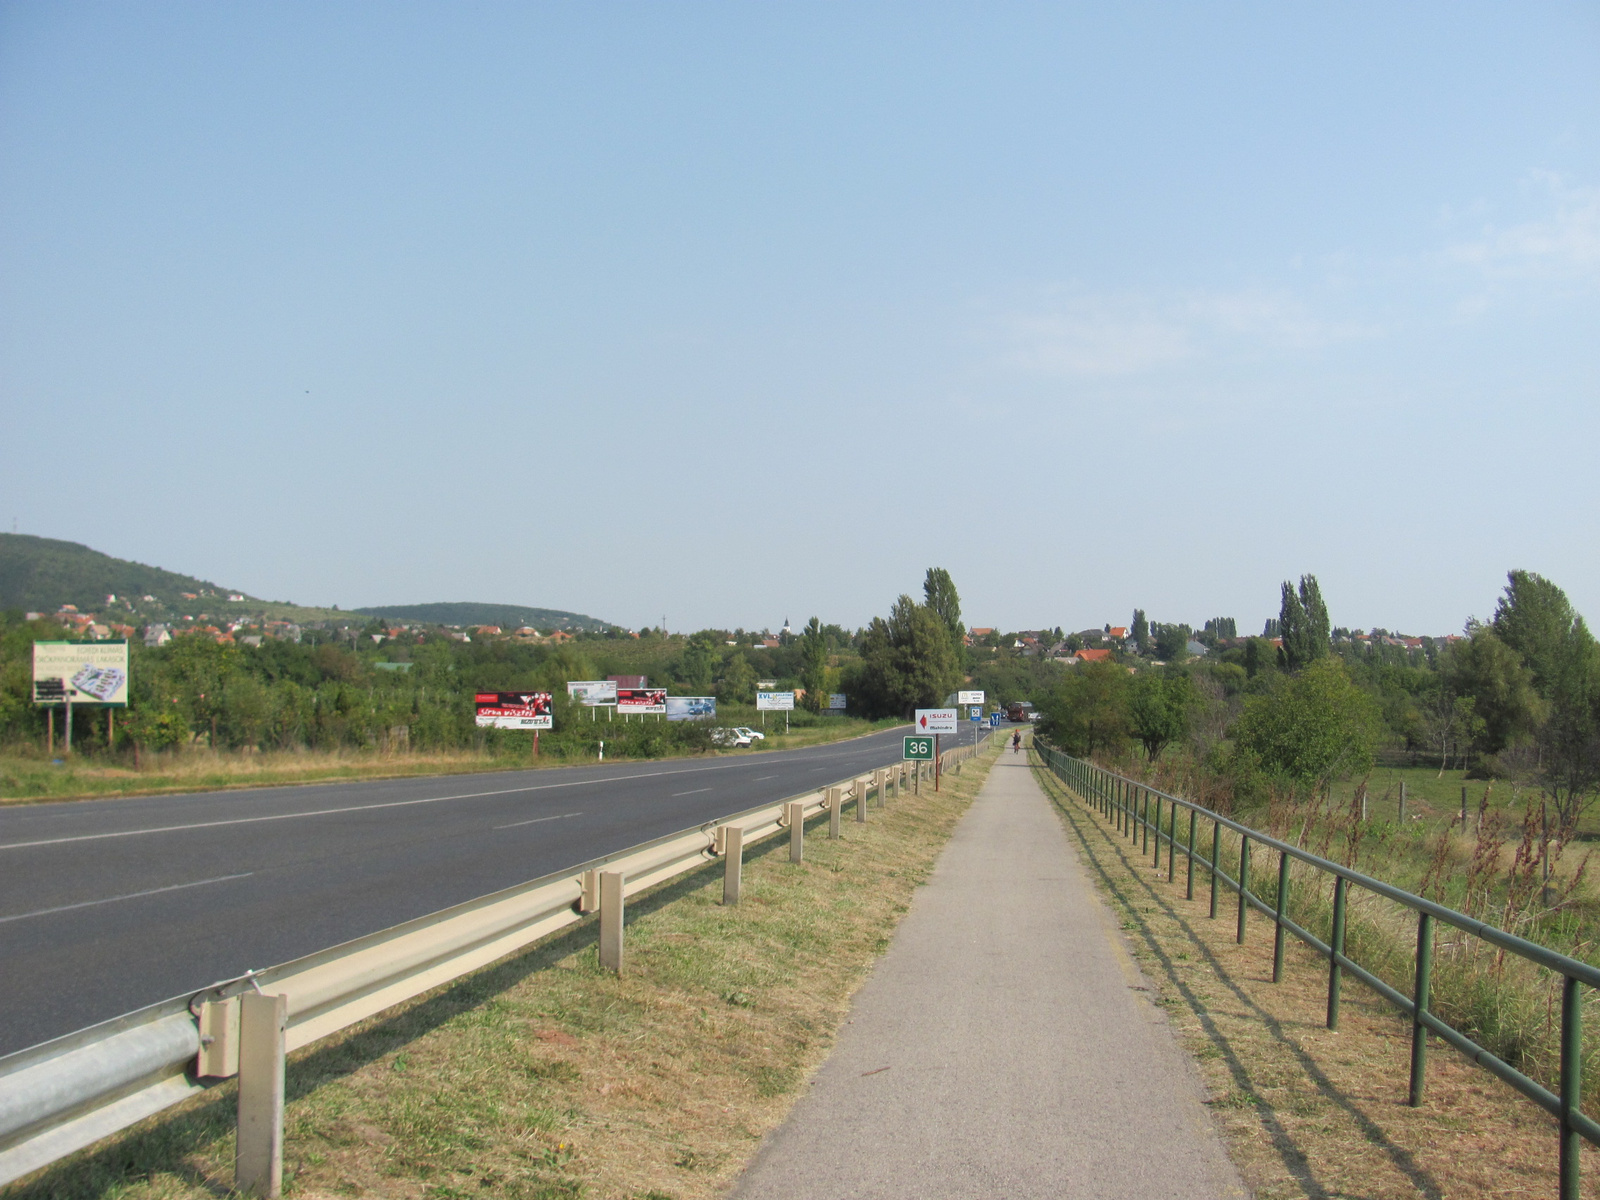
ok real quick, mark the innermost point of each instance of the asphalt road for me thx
(109, 905)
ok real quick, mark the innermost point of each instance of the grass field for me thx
(545, 1078)
(30, 776)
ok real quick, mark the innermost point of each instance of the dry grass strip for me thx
(544, 1077)
(1305, 1111)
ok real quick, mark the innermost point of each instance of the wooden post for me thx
(258, 1153)
(861, 800)
(835, 805)
(1401, 818)
(611, 921)
(1463, 808)
(732, 862)
(797, 830)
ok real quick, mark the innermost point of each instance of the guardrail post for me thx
(1571, 1082)
(1336, 948)
(878, 779)
(797, 830)
(1193, 819)
(1277, 933)
(732, 862)
(835, 804)
(860, 786)
(1144, 822)
(1158, 833)
(1244, 886)
(1421, 996)
(1216, 852)
(611, 921)
(258, 1153)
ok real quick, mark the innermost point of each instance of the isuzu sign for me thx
(937, 720)
(514, 710)
(966, 698)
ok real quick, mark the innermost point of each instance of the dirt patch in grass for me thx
(544, 1077)
(1305, 1111)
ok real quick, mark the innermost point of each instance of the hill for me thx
(43, 574)
(507, 616)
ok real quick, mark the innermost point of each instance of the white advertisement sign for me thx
(641, 700)
(836, 701)
(966, 698)
(593, 692)
(83, 672)
(937, 720)
(691, 708)
(775, 701)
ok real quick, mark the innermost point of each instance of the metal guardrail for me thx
(1128, 803)
(63, 1095)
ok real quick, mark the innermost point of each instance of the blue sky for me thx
(727, 313)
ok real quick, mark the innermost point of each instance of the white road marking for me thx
(536, 820)
(696, 792)
(759, 778)
(176, 887)
(350, 808)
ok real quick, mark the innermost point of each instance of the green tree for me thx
(939, 594)
(814, 665)
(738, 682)
(1159, 710)
(1087, 713)
(1140, 631)
(1500, 686)
(1303, 624)
(1315, 727)
(1172, 642)
(1536, 620)
(907, 661)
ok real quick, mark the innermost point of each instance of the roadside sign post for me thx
(937, 721)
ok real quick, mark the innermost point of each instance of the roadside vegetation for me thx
(543, 1077)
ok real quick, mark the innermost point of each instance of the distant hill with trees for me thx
(42, 574)
(507, 616)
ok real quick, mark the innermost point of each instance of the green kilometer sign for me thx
(919, 749)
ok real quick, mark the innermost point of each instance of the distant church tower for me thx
(786, 628)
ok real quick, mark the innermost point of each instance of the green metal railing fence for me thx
(1135, 810)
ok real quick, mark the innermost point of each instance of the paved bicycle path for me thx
(1000, 1048)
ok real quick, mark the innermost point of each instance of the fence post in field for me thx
(1172, 844)
(1158, 833)
(797, 830)
(1193, 819)
(732, 862)
(1216, 851)
(611, 921)
(1463, 808)
(835, 803)
(1244, 885)
(861, 800)
(1283, 903)
(1421, 996)
(258, 1154)
(1571, 1083)
(1402, 815)
(1336, 949)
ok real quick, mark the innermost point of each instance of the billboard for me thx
(836, 701)
(937, 720)
(691, 708)
(966, 698)
(593, 692)
(514, 710)
(641, 700)
(775, 701)
(82, 672)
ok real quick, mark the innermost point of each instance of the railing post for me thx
(1571, 1083)
(861, 800)
(1144, 822)
(732, 862)
(1193, 818)
(1283, 902)
(258, 1153)
(1336, 948)
(1216, 851)
(797, 830)
(611, 921)
(1244, 886)
(1158, 832)
(835, 806)
(1421, 997)
(1172, 843)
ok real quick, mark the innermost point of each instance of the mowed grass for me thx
(1305, 1111)
(28, 777)
(545, 1077)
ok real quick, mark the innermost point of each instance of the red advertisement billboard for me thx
(514, 710)
(641, 700)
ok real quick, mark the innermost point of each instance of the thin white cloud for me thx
(1563, 244)
(1089, 335)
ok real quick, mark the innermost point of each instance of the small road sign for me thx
(937, 720)
(975, 713)
(919, 749)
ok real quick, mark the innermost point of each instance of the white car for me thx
(750, 735)
(729, 737)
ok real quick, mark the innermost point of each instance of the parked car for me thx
(729, 737)
(751, 735)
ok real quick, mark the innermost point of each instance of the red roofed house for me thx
(1118, 632)
(1100, 655)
